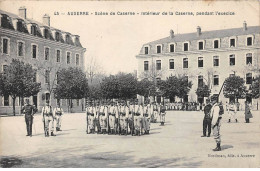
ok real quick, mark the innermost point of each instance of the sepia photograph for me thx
(129, 84)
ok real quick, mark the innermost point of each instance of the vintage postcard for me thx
(129, 84)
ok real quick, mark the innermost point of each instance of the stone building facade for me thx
(46, 48)
(208, 57)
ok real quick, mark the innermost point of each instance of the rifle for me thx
(133, 123)
(44, 122)
(87, 119)
(108, 128)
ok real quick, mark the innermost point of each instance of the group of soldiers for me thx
(122, 118)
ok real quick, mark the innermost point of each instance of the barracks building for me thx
(204, 57)
(46, 48)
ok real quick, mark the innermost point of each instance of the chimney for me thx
(76, 38)
(46, 20)
(171, 34)
(198, 31)
(244, 26)
(22, 12)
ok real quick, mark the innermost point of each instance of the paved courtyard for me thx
(177, 144)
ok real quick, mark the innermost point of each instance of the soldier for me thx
(112, 118)
(29, 111)
(91, 113)
(97, 116)
(58, 112)
(48, 119)
(232, 111)
(103, 117)
(162, 113)
(216, 115)
(207, 119)
(147, 117)
(138, 114)
(123, 115)
(131, 117)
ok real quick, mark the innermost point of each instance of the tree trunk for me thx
(14, 105)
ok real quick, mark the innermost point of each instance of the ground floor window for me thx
(6, 100)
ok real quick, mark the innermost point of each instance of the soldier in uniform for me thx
(123, 115)
(207, 119)
(97, 116)
(58, 112)
(147, 115)
(162, 113)
(48, 119)
(103, 117)
(91, 113)
(112, 118)
(232, 111)
(131, 117)
(138, 114)
(216, 115)
(29, 111)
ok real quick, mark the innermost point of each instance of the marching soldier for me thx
(147, 115)
(48, 119)
(29, 111)
(112, 118)
(103, 117)
(138, 114)
(232, 111)
(91, 112)
(58, 112)
(123, 115)
(162, 113)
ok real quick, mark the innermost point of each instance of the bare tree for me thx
(93, 69)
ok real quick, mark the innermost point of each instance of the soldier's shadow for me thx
(224, 147)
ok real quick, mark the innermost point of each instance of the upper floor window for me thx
(47, 76)
(185, 46)
(47, 53)
(200, 62)
(46, 33)
(171, 63)
(20, 48)
(200, 80)
(232, 60)
(35, 76)
(58, 56)
(215, 61)
(5, 45)
(249, 58)
(67, 38)
(216, 44)
(249, 41)
(201, 45)
(68, 57)
(185, 63)
(249, 78)
(77, 59)
(232, 42)
(57, 36)
(146, 50)
(146, 65)
(34, 51)
(159, 49)
(33, 30)
(216, 80)
(158, 65)
(171, 47)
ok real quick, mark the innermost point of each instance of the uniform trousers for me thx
(216, 131)
(206, 124)
(137, 122)
(123, 122)
(58, 121)
(103, 122)
(49, 123)
(29, 122)
(112, 122)
(232, 114)
(146, 123)
(91, 122)
(162, 117)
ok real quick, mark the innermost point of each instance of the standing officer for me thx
(103, 117)
(232, 111)
(123, 115)
(48, 119)
(29, 111)
(207, 119)
(58, 112)
(216, 115)
(91, 111)
(162, 113)
(138, 114)
(147, 115)
(112, 118)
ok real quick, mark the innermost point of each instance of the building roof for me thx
(207, 35)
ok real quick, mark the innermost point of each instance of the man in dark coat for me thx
(29, 111)
(207, 119)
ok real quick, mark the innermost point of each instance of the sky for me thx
(115, 40)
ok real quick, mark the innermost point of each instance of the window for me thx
(200, 81)
(146, 65)
(216, 80)
(4, 69)
(35, 76)
(47, 53)
(68, 57)
(249, 78)
(58, 101)
(232, 60)
(186, 78)
(58, 56)
(185, 63)
(249, 41)
(57, 36)
(158, 64)
(171, 63)
(77, 101)
(201, 47)
(57, 78)
(5, 49)
(146, 50)
(215, 61)
(67, 38)
(159, 49)
(232, 43)
(200, 62)
(20, 49)
(6, 100)
(216, 44)
(249, 59)
(33, 30)
(46, 32)
(47, 77)
(77, 59)
(172, 48)
(34, 51)
(186, 46)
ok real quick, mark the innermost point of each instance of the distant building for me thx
(46, 48)
(208, 57)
